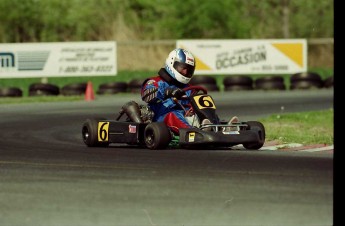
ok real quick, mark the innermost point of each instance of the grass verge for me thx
(314, 127)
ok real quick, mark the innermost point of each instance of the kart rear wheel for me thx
(255, 125)
(157, 135)
(90, 133)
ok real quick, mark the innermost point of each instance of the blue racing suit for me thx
(166, 109)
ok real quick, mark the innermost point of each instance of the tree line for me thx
(92, 20)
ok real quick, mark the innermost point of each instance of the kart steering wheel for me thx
(195, 90)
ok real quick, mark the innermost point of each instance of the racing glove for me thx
(174, 92)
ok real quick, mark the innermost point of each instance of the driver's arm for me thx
(154, 92)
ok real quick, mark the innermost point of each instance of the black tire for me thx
(109, 91)
(255, 125)
(241, 80)
(203, 79)
(40, 93)
(270, 83)
(157, 136)
(305, 76)
(43, 89)
(134, 89)
(306, 84)
(112, 88)
(269, 79)
(270, 86)
(90, 133)
(114, 85)
(74, 89)
(237, 88)
(328, 82)
(135, 83)
(210, 87)
(11, 92)
(72, 92)
(134, 86)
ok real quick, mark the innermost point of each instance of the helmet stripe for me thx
(181, 55)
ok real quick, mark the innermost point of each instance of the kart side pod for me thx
(251, 136)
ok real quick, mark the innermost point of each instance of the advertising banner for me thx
(268, 56)
(57, 59)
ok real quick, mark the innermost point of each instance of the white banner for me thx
(57, 59)
(269, 56)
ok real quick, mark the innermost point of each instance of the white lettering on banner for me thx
(271, 56)
(85, 69)
(57, 59)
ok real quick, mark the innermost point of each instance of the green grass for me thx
(315, 127)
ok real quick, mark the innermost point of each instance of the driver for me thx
(164, 91)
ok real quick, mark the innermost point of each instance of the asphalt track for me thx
(49, 177)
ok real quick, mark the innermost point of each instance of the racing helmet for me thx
(180, 65)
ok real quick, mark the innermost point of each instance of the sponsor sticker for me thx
(191, 137)
(132, 129)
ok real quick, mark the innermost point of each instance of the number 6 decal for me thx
(204, 101)
(103, 128)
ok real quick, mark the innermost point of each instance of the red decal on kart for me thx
(132, 129)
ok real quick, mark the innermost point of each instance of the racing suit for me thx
(166, 109)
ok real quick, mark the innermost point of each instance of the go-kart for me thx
(139, 129)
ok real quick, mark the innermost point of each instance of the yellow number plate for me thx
(103, 134)
(204, 101)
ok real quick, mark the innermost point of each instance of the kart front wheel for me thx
(90, 133)
(157, 135)
(254, 125)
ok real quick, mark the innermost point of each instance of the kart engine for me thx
(146, 113)
(136, 113)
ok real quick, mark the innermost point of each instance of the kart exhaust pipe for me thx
(132, 111)
(120, 115)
